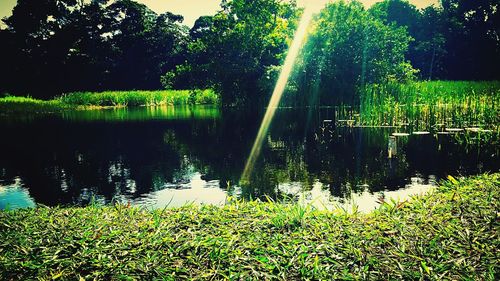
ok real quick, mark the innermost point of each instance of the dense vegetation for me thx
(451, 233)
(141, 98)
(438, 103)
(87, 100)
(51, 47)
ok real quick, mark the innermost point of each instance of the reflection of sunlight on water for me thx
(367, 202)
(197, 191)
(14, 196)
(320, 198)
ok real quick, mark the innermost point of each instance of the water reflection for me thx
(364, 201)
(196, 190)
(14, 195)
(144, 114)
(158, 158)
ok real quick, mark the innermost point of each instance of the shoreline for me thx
(80, 101)
(450, 233)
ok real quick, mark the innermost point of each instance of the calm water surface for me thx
(159, 157)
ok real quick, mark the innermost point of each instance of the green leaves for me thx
(92, 45)
(452, 104)
(438, 236)
(233, 51)
(349, 47)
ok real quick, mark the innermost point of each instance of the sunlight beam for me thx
(293, 52)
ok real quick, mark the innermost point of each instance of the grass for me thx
(89, 100)
(450, 234)
(141, 98)
(27, 104)
(423, 105)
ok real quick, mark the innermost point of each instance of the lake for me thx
(166, 156)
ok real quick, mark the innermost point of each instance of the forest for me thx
(54, 47)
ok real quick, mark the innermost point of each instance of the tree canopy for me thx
(54, 46)
(237, 50)
(68, 45)
(348, 47)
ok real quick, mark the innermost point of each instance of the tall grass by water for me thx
(449, 234)
(141, 98)
(86, 100)
(27, 104)
(432, 103)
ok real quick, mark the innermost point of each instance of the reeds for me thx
(141, 98)
(89, 100)
(423, 105)
(26, 104)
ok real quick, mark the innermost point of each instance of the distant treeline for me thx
(54, 46)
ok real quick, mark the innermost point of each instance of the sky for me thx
(193, 9)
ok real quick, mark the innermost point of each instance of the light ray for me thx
(293, 52)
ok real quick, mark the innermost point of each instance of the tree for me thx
(33, 47)
(472, 39)
(426, 27)
(429, 51)
(234, 50)
(68, 45)
(347, 48)
(459, 40)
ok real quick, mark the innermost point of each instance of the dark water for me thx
(166, 156)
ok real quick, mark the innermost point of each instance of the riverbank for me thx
(451, 233)
(90, 100)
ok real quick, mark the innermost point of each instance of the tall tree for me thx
(429, 51)
(146, 44)
(67, 45)
(472, 39)
(235, 50)
(426, 27)
(34, 49)
(349, 47)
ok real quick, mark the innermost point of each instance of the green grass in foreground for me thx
(423, 104)
(86, 100)
(449, 234)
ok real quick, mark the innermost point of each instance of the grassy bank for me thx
(89, 100)
(449, 234)
(424, 104)
(13, 104)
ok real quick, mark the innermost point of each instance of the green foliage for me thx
(472, 39)
(66, 45)
(52, 47)
(84, 100)
(455, 40)
(428, 104)
(141, 98)
(11, 104)
(451, 233)
(425, 28)
(233, 50)
(130, 98)
(347, 48)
